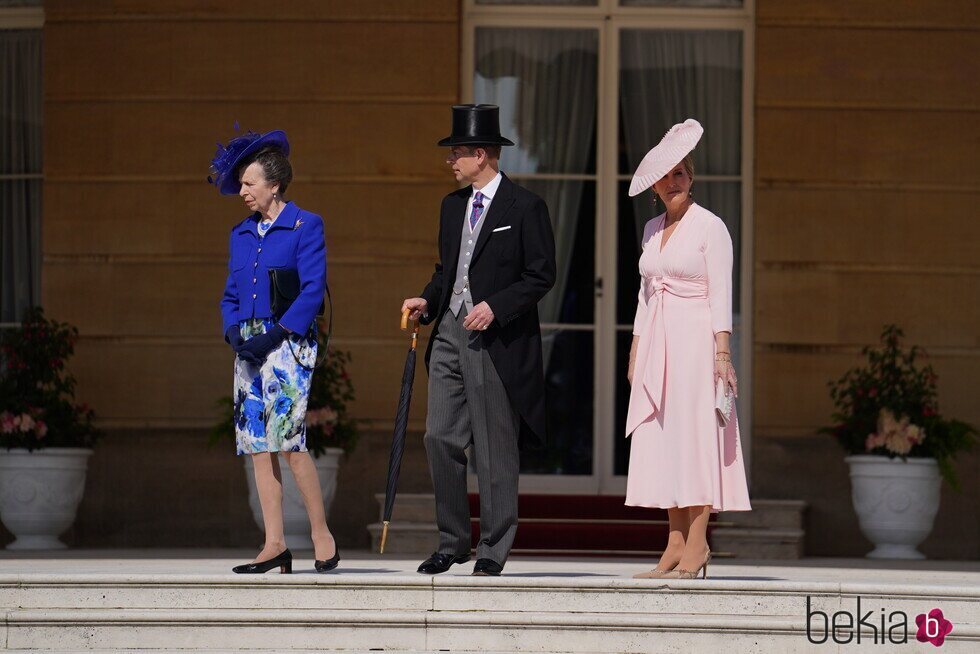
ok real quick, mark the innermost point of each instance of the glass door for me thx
(664, 77)
(585, 89)
(545, 82)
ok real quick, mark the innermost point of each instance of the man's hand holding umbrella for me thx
(417, 307)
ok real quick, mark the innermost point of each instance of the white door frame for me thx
(609, 19)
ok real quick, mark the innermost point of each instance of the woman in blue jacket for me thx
(275, 354)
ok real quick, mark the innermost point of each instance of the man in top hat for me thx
(486, 373)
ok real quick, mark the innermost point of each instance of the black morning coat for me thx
(511, 270)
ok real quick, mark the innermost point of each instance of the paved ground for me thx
(216, 562)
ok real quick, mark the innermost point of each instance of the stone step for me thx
(768, 514)
(744, 543)
(409, 507)
(537, 606)
(303, 629)
(420, 538)
(369, 584)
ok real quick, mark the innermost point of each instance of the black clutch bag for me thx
(284, 288)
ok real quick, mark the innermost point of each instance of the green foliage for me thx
(37, 394)
(890, 407)
(328, 421)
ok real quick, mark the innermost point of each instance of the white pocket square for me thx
(500, 229)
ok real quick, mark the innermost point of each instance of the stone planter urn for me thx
(39, 494)
(896, 502)
(296, 522)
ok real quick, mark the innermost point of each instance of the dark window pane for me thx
(668, 76)
(544, 81)
(628, 252)
(621, 457)
(569, 396)
(571, 204)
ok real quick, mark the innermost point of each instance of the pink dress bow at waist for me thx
(650, 369)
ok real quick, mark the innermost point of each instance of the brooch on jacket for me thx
(299, 222)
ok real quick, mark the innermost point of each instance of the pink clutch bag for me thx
(724, 402)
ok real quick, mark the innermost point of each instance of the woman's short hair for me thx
(275, 166)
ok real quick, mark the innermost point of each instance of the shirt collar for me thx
(286, 218)
(490, 189)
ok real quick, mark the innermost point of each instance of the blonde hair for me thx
(688, 162)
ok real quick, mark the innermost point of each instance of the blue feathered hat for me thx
(227, 157)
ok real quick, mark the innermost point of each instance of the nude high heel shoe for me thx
(656, 573)
(688, 574)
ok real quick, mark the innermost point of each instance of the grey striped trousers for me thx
(468, 406)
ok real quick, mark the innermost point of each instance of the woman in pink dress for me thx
(683, 457)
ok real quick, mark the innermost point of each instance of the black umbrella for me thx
(401, 425)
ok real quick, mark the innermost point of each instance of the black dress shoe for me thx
(284, 562)
(487, 568)
(329, 564)
(439, 562)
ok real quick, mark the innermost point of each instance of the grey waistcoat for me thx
(466, 245)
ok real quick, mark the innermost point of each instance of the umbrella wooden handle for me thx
(415, 323)
(415, 327)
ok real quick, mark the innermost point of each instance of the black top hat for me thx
(476, 124)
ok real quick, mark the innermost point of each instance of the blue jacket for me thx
(295, 241)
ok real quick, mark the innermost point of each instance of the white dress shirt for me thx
(488, 192)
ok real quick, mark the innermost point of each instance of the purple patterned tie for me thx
(477, 210)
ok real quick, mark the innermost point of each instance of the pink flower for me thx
(7, 424)
(26, 423)
(41, 430)
(872, 442)
(323, 416)
(897, 435)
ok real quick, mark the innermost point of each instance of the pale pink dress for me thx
(680, 455)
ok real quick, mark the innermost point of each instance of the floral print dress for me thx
(270, 400)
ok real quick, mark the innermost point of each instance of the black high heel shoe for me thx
(284, 562)
(329, 564)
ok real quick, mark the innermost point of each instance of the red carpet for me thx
(583, 525)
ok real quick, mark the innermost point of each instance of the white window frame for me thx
(608, 18)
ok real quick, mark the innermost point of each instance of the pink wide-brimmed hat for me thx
(676, 144)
